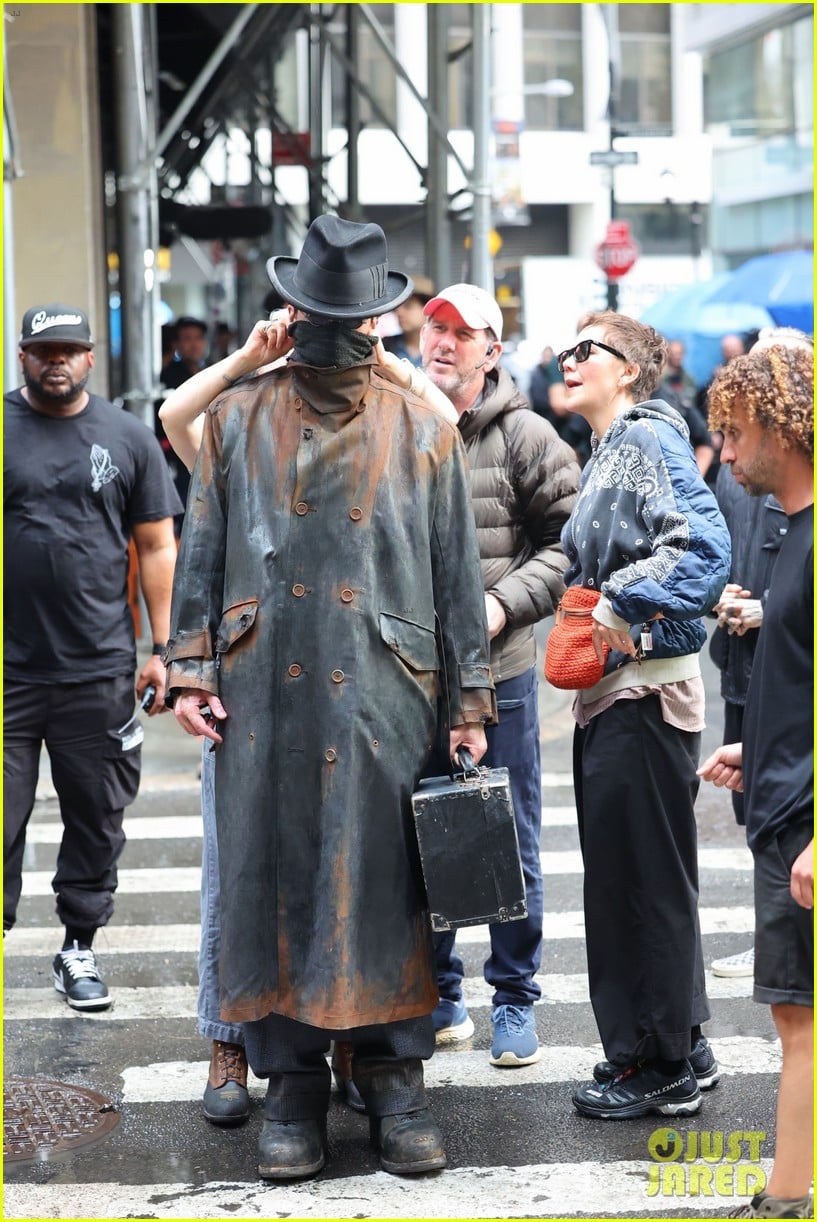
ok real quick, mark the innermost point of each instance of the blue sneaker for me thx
(452, 1022)
(515, 1039)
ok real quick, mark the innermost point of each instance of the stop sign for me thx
(619, 250)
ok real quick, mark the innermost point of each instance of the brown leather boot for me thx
(226, 1100)
(342, 1054)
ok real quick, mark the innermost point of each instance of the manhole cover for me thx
(39, 1115)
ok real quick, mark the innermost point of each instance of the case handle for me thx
(466, 762)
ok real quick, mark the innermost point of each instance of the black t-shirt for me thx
(73, 488)
(778, 726)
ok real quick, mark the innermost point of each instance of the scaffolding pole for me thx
(137, 202)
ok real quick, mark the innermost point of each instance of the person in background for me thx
(646, 535)
(731, 346)
(763, 403)
(544, 375)
(523, 482)
(410, 319)
(189, 356)
(679, 390)
(81, 478)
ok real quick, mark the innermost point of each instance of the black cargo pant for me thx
(387, 1065)
(95, 770)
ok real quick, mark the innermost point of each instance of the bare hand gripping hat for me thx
(342, 272)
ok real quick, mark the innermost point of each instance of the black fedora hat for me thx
(342, 272)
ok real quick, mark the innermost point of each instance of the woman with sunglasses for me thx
(646, 533)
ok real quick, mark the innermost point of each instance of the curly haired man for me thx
(763, 403)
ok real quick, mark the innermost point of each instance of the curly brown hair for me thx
(775, 387)
(640, 343)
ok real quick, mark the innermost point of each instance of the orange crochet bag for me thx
(570, 659)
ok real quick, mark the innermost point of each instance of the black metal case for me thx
(469, 849)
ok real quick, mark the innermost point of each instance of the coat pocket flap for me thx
(235, 621)
(189, 644)
(416, 645)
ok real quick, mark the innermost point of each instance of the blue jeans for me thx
(516, 946)
(211, 1026)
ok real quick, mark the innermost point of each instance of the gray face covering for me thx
(330, 345)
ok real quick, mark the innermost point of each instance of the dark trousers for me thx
(635, 792)
(96, 775)
(387, 1065)
(733, 733)
(516, 946)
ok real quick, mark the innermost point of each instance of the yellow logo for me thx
(707, 1163)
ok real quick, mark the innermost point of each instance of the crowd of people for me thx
(373, 528)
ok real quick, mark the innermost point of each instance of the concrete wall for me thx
(57, 206)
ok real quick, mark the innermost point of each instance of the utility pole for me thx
(610, 12)
(482, 272)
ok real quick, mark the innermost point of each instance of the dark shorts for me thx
(784, 932)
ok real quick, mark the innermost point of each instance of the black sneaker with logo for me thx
(639, 1091)
(76, 976)
(702, 1060)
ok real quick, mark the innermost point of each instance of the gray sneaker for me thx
(77, 977)
(765, 1206)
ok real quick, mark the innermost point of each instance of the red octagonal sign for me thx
(619, 250)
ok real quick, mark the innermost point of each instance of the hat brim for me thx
(56, 339)
(281, 272)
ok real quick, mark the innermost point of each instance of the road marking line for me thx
(544, 1190)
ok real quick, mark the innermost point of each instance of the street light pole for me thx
(610, 12)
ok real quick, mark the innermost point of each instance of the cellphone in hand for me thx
(148, 698)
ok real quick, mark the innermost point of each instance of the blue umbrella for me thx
(691, 315)
(783, 283)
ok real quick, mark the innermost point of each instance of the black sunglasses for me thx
(581, 351)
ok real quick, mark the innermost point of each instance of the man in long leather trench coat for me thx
(329, 545)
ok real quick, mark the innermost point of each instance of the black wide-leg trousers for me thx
(635, 792)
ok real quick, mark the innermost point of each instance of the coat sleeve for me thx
(198, 585)
(545, 477)
(688, 564)
(459, 600)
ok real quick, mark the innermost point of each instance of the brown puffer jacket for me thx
(523, 486)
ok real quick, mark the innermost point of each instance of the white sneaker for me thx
(736, 965)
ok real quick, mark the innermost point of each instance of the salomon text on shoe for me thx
(640, 1091)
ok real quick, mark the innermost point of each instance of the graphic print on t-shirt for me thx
(102, 469)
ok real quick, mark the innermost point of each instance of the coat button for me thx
(294, 670)
(330, 756)
(301, 508)
(346, 596)
(338, 676)
(298, 590)
(355, 513)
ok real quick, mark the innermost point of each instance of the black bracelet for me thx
(158, 649)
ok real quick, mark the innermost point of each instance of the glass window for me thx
(645, 101)
(765, 86)
(553, 50)
(668, 228)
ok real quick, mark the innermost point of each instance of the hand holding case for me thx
(469, 849)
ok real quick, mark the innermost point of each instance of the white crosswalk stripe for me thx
(162, 880)
(146, 939)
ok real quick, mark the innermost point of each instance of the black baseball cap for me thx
(55, 323)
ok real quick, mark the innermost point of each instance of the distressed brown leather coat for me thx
(329, 520)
